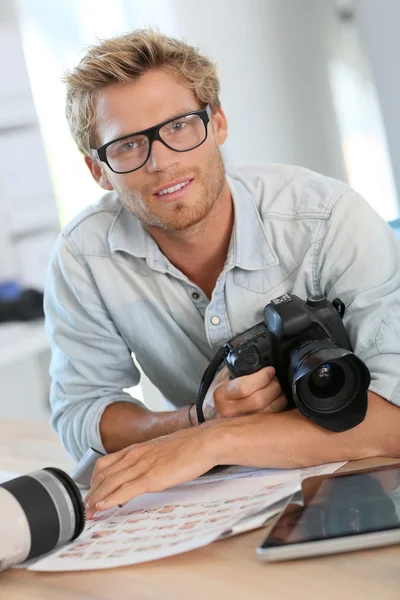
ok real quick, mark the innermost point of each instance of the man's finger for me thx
(112, 483)
(127, 462)
(123, 494)
(100, 473)
(256, 402)
(105, 462)
(242, 387)
(277, 405)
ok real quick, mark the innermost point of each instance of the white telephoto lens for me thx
(39, 512)
(15, 540)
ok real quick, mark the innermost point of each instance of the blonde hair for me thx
(124, 59)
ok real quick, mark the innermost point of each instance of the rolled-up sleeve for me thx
(91, 364)
(358, 261)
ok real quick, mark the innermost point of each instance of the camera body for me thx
(307, 344)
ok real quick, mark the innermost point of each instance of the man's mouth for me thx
(173, 187)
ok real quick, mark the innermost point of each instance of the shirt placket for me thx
(216, 322)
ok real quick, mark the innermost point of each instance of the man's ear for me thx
(98, 173)
(220, 125)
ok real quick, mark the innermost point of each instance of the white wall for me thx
(378, 22)
(272, 60)
(28, 226)
(29, 219)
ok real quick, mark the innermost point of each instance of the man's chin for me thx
(181, 218)
(177, 224)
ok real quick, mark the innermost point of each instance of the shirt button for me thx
(215, 320)
(195, 296)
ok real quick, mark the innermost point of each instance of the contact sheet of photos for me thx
(183, 518)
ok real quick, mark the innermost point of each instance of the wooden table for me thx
(226, 569)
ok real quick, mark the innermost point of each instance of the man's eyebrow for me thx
(181, 112)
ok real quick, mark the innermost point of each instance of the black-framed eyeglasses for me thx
(130, 152)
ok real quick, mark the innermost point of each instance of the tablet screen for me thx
(339, 506)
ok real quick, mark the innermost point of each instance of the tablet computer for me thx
(339, 513)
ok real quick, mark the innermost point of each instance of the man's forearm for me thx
(124, 423)
(288, 439)
(264, 440)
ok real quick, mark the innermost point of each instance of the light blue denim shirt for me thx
(110, 291)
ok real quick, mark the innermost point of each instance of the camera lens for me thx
(329, 384)
(329, 387)
(326, 381)
(39, 512)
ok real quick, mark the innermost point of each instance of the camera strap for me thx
(207, 379)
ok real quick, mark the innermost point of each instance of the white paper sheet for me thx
(180, 519)
(237, 472)
(157, 525)
(214, 506)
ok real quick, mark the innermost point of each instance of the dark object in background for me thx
(308, 346)
(26, 306)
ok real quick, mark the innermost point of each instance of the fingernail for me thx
(271, 371)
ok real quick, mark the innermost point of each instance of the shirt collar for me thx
(127, 234)
(249, 248)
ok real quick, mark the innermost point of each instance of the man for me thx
(177, 258)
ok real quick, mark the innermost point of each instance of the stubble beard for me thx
(179, 215)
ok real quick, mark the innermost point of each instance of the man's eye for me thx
(177, 126)
(131, 145)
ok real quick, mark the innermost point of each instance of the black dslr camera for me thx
(308, 346)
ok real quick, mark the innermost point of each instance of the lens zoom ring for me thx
(302, 352)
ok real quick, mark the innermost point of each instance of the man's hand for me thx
(256, 393)
(169, 460)
(151, 467)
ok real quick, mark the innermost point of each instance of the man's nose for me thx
(161, 158)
